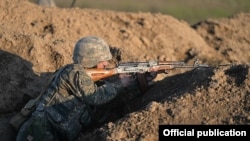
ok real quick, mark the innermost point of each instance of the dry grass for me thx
(191, 11)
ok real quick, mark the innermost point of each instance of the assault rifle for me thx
(140, 67)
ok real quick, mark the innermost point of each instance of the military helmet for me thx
(91, 50)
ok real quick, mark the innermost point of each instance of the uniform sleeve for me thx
(94, 94)
(103, 93)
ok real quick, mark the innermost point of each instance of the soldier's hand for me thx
(150, 76)
(127, 79)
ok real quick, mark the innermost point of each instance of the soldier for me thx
(63, 108)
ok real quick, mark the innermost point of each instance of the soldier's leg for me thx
(35, 128)
(22, 134)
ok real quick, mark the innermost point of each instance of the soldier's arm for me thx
(95, 94)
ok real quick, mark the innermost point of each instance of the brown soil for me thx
(35, 41)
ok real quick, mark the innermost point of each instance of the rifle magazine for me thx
(143, 84)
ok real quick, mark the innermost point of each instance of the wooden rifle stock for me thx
(98, 74)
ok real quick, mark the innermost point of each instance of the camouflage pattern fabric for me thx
(119, 106)
(91, 50)
(63, 108)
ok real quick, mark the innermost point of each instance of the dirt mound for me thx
(35, 41)
(228, 36)
(211, 96)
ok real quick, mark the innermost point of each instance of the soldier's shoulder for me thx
(77, 67)
(69, 68)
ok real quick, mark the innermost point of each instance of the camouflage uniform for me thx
(63, 108)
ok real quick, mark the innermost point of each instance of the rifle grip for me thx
(143, 84)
